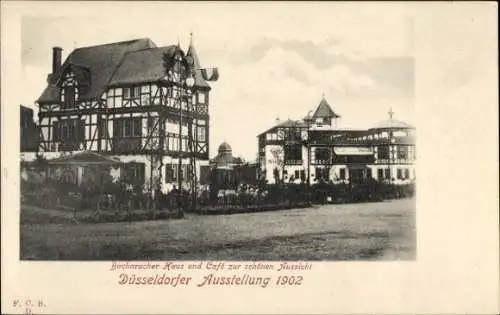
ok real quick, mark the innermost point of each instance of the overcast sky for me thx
(275, 59)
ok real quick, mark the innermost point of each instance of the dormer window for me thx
(68, 96)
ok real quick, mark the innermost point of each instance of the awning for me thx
(352, 151)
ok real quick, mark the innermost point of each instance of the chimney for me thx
(56, 59)
(277, 121)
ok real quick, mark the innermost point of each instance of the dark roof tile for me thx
(142, 66)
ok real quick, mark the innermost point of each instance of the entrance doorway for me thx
(357, 174)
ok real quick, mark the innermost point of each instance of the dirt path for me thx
(371, 230)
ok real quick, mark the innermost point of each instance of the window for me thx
(323, 156)
(134, 173)
(297, 174)
(170, 173)
(131, 92)
(173, 143)
(407, 173)
(293, 154)
(342, 173)
(127, 127)
(322, 173)
(387, 173)
(201, 98)
(201, 134)
(380, 173)
(175, 172)
(69, 130)
(402, 152)
(383, 152)
(103, 128)
(400, 173)
(69, 96)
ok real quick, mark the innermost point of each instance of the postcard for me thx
(248, 157)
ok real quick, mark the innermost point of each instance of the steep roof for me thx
(101, 61)
(142, 66)
(198, 78)
(324, 110)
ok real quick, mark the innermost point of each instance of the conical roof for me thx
(198, 78)
(324, 110)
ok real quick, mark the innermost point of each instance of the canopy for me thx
(85, 158)
(352, 151)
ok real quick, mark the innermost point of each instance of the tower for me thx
(324, 114)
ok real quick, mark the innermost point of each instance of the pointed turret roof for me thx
(324, 110)
(198, 78)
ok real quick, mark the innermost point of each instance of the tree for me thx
(278, 160)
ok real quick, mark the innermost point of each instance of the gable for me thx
(101, 62)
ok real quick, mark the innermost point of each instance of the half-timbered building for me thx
(128, 100)
(315, 149)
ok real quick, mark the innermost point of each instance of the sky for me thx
(275, 60)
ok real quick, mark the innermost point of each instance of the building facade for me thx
(314, 149)
(28, 132)
(128, 100)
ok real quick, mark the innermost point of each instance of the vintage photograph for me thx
(181, 139)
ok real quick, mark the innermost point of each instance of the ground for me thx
(366, 231)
